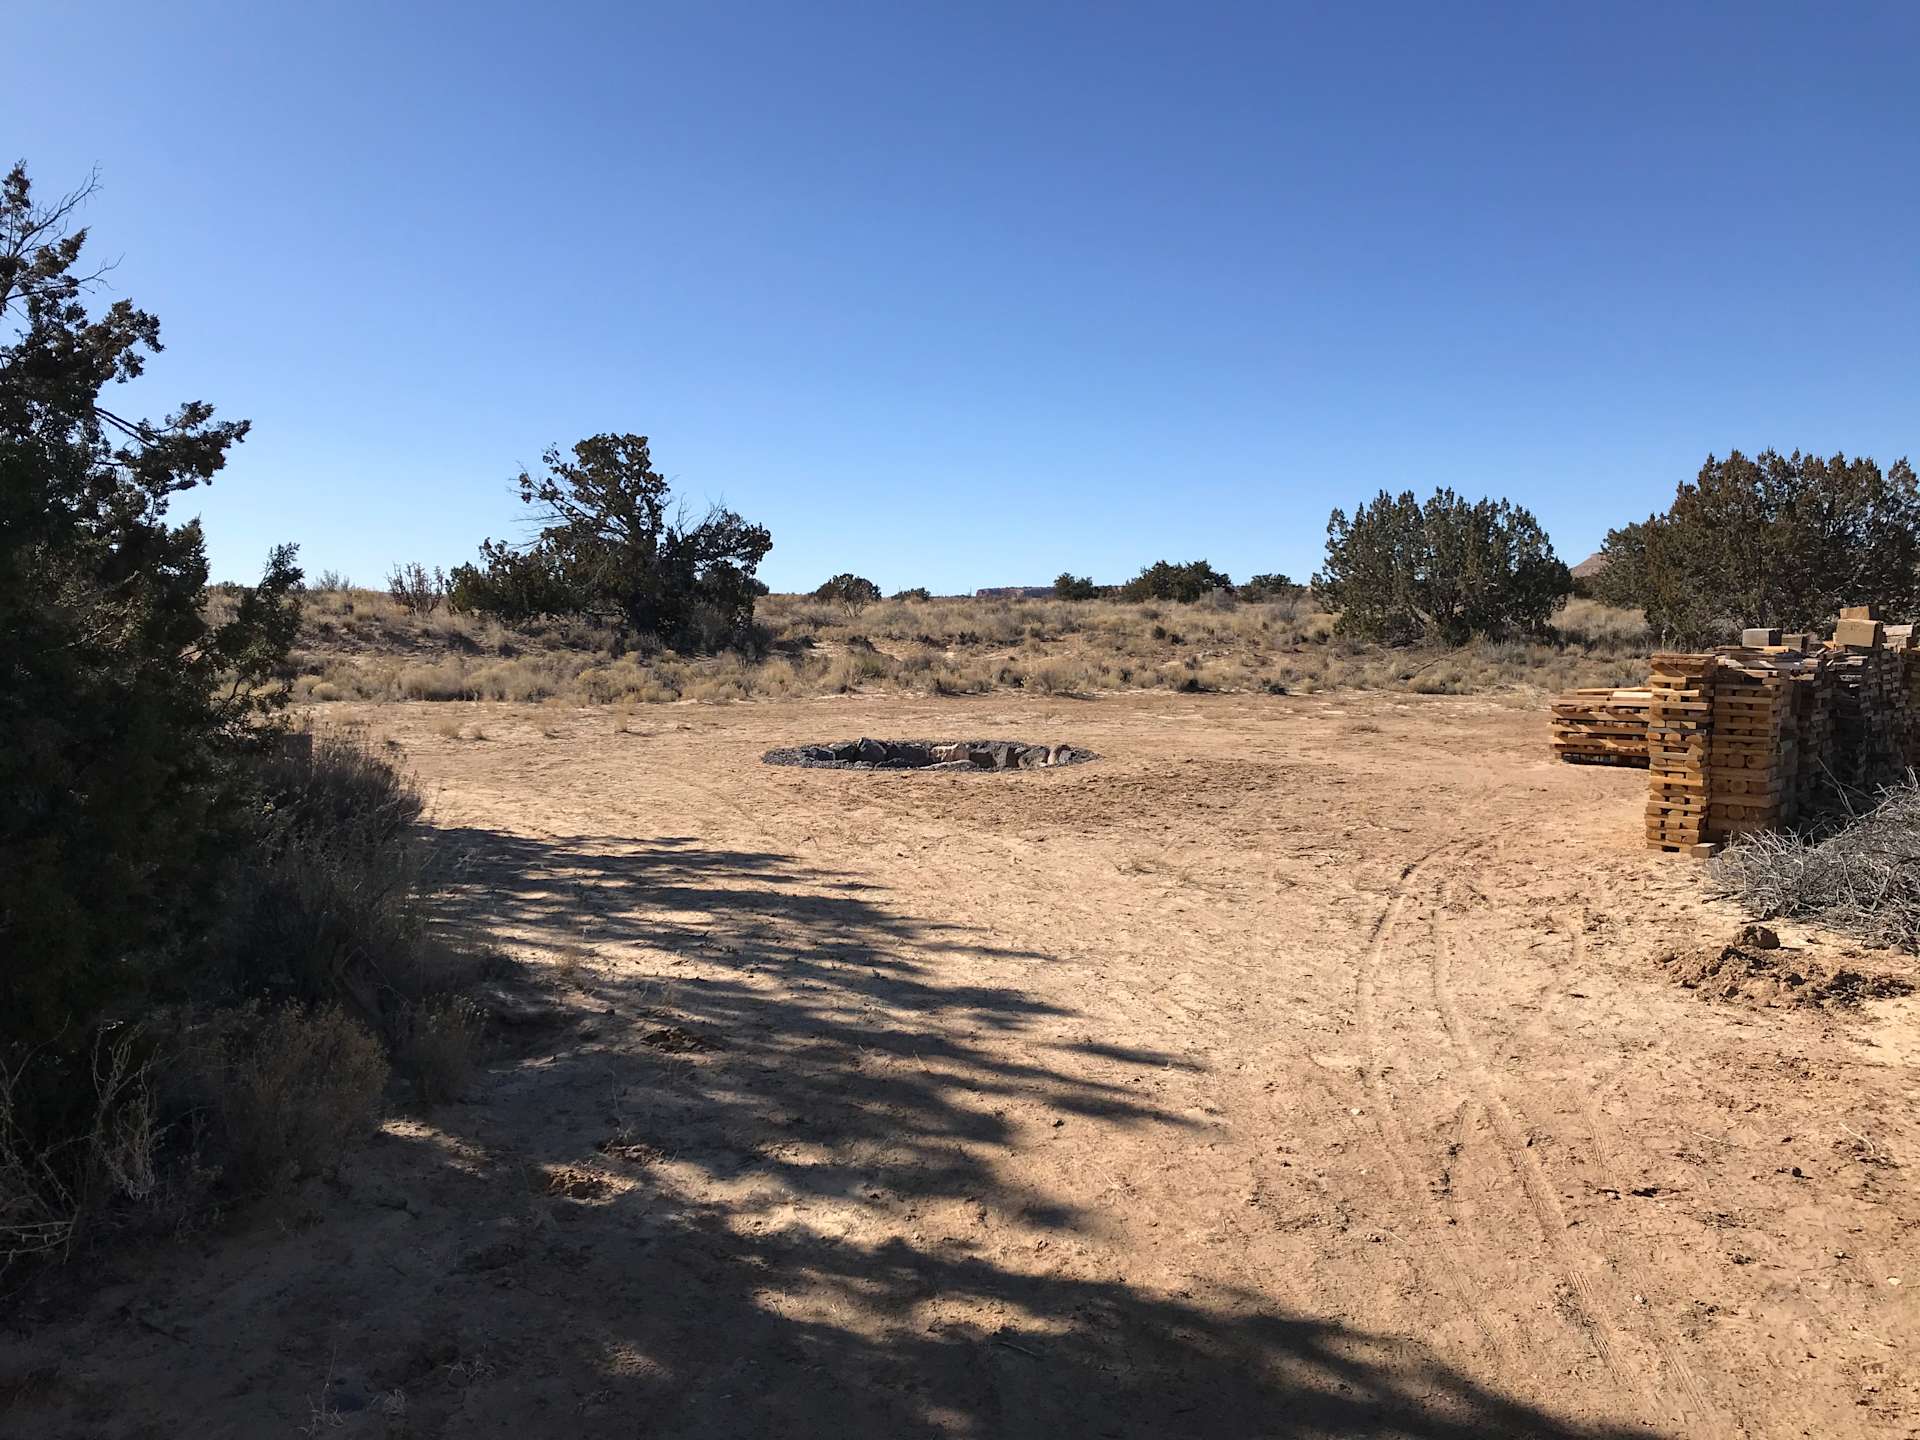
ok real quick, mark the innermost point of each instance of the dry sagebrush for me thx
(270, 1054)
(361, 646)
(293, 1089)
(47, 1191)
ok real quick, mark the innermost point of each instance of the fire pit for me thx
(929, 755)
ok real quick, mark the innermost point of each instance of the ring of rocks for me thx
(929, 755)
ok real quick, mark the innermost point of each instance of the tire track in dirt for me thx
(1599, 1320)
(1618, 1252)
(1397, 1146)
(1544, 1205)
(1670, 1353)
(1438, 1250)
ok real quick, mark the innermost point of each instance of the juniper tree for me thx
(613, 543)
(122, 709)
(1773, 540)
(853, 592)
(1164, 581)
(1446, 570)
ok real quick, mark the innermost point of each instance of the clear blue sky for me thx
(964, 295)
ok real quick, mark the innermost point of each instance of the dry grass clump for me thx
(361, 645)
(856, 666)
(435, 1044)
(266, 1056)
(330, 901)
(292, 1089)
(345, 621)
(1589, 622)
(1857, 880)
(339, 896)
(48, 1191)
(1059, 676)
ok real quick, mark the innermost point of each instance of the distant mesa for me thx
(1591, 566)
(1014, 592)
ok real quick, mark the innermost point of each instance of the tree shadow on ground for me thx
(771, 1196)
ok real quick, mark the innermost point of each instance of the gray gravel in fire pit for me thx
(928, 755)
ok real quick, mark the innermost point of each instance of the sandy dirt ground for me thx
(1302, 1067)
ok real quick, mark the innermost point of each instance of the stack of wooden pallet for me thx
(1604, 726)
(1679, 730)
(1905, 716)
(1870, 711)
(1811, 687)
(1755, 735)
(1752, 753)
(1905, 646)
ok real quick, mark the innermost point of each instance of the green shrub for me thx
(165, 846)
(129, 705)
(1164, 581)
(1271, 587)
(853, 593)
(611, 546)
(1776, 540)
(1444, 571)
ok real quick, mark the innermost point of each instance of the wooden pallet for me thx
(1680, 714)
(1698, 850)
(1604, 726)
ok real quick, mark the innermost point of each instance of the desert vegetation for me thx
(414, 588)
(1441, 596)
(1850, 873)
(360, 645)
(517, 632)
(210, 920)
(853, 593)
(880, 1057)
(613, 546)
(1187, 582)
(1446, 570)
(1777, 540)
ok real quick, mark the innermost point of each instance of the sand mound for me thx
(1755, 970)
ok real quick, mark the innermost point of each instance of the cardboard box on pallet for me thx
(1860, 634)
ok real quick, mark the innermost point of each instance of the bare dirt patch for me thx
(677, 1040)
(633, 1152)
(572, 1184)
(1302, 1068)
(1769, 974)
